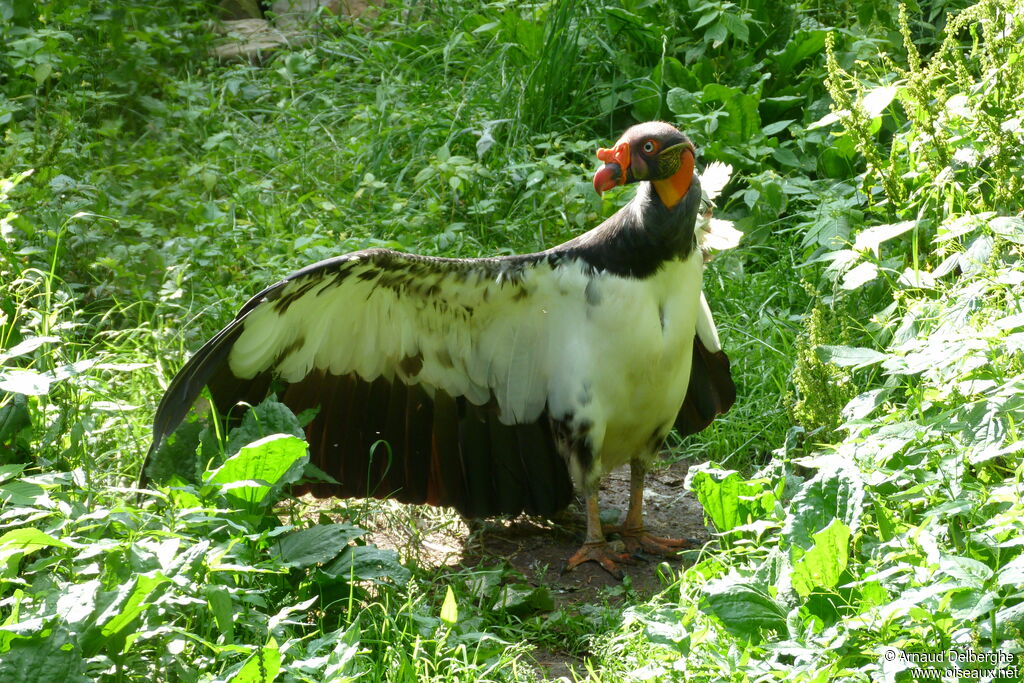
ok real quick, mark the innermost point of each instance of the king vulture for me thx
(498, 384)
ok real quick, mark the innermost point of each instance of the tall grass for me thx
(168, 188)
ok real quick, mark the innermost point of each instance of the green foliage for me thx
(729, 500)
(914, 513)
(878, 159)
(822, 389)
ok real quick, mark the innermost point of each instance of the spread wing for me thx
(434, 379)
(451, 362)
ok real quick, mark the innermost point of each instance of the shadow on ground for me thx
(538, 548)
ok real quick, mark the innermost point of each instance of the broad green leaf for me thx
(28, 540)
(316, 545)
(860, 275)
(829, 119)
(912, 278)
(269, 417)
(706, 19)
(664, 628)
(871, 238)
(14, 417)
(247, 477)
(1008, 622)
(26, 347)
(28, 382)
(959, 226)
(864, 404)
(219, 600)
(743, 607)
(736, 26)
(777, 127)
(786, 156)
(48, 658)
(77, 603)
(263, 666)
(729, 500)
(9, 472)
(671, 73)
(830, 227)
(876, 100)
(716, 34)
(849, 356)
(1012, 573)
(368, 563)
(523, 599)
(117, 618)
(449, 609)
(177, 455)
(834, 493)
(681, 101)
(744, 121)
(973, 604)
(965, 571)
(1010, 228)
(25, 493)
(801, 45)
(825, 561)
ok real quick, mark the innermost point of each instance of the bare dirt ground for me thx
(539, 548)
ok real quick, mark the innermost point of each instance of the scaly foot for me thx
(639, 540)
(600, 552)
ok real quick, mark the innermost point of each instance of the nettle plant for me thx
(906, 531)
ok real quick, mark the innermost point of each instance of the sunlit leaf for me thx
(876, 100)
(247, 477)
(263, 666)
(824, 562)
(368, 563)
(871, 238)
(728, 499)
(316, 545)
(743, 607)
(849, 356)
(834, 493)
(860, 275)
(523, 599)
(449, 609)
(26, 347)
(1010, 228)
(48, 658)
(28, 382)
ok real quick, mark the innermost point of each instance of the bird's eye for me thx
(649, 146)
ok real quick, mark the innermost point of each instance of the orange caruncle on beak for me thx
(613, 173)
(619, 154)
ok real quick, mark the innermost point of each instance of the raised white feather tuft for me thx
(714, 234)
(719, 235)
(714, 179)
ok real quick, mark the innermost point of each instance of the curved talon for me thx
(600, 552)
(638, 539)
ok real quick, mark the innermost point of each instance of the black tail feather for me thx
(510, 478)
(711, 390)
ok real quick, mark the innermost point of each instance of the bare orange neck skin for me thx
(672, 189)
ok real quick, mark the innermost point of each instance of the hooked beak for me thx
(616, 164)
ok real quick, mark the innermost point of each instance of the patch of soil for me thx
(539, 548)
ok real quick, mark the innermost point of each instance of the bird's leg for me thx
(595, 547)
(632, 531)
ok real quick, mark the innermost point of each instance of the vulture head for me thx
(653, 151)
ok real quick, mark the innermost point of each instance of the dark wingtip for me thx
(711, 390)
